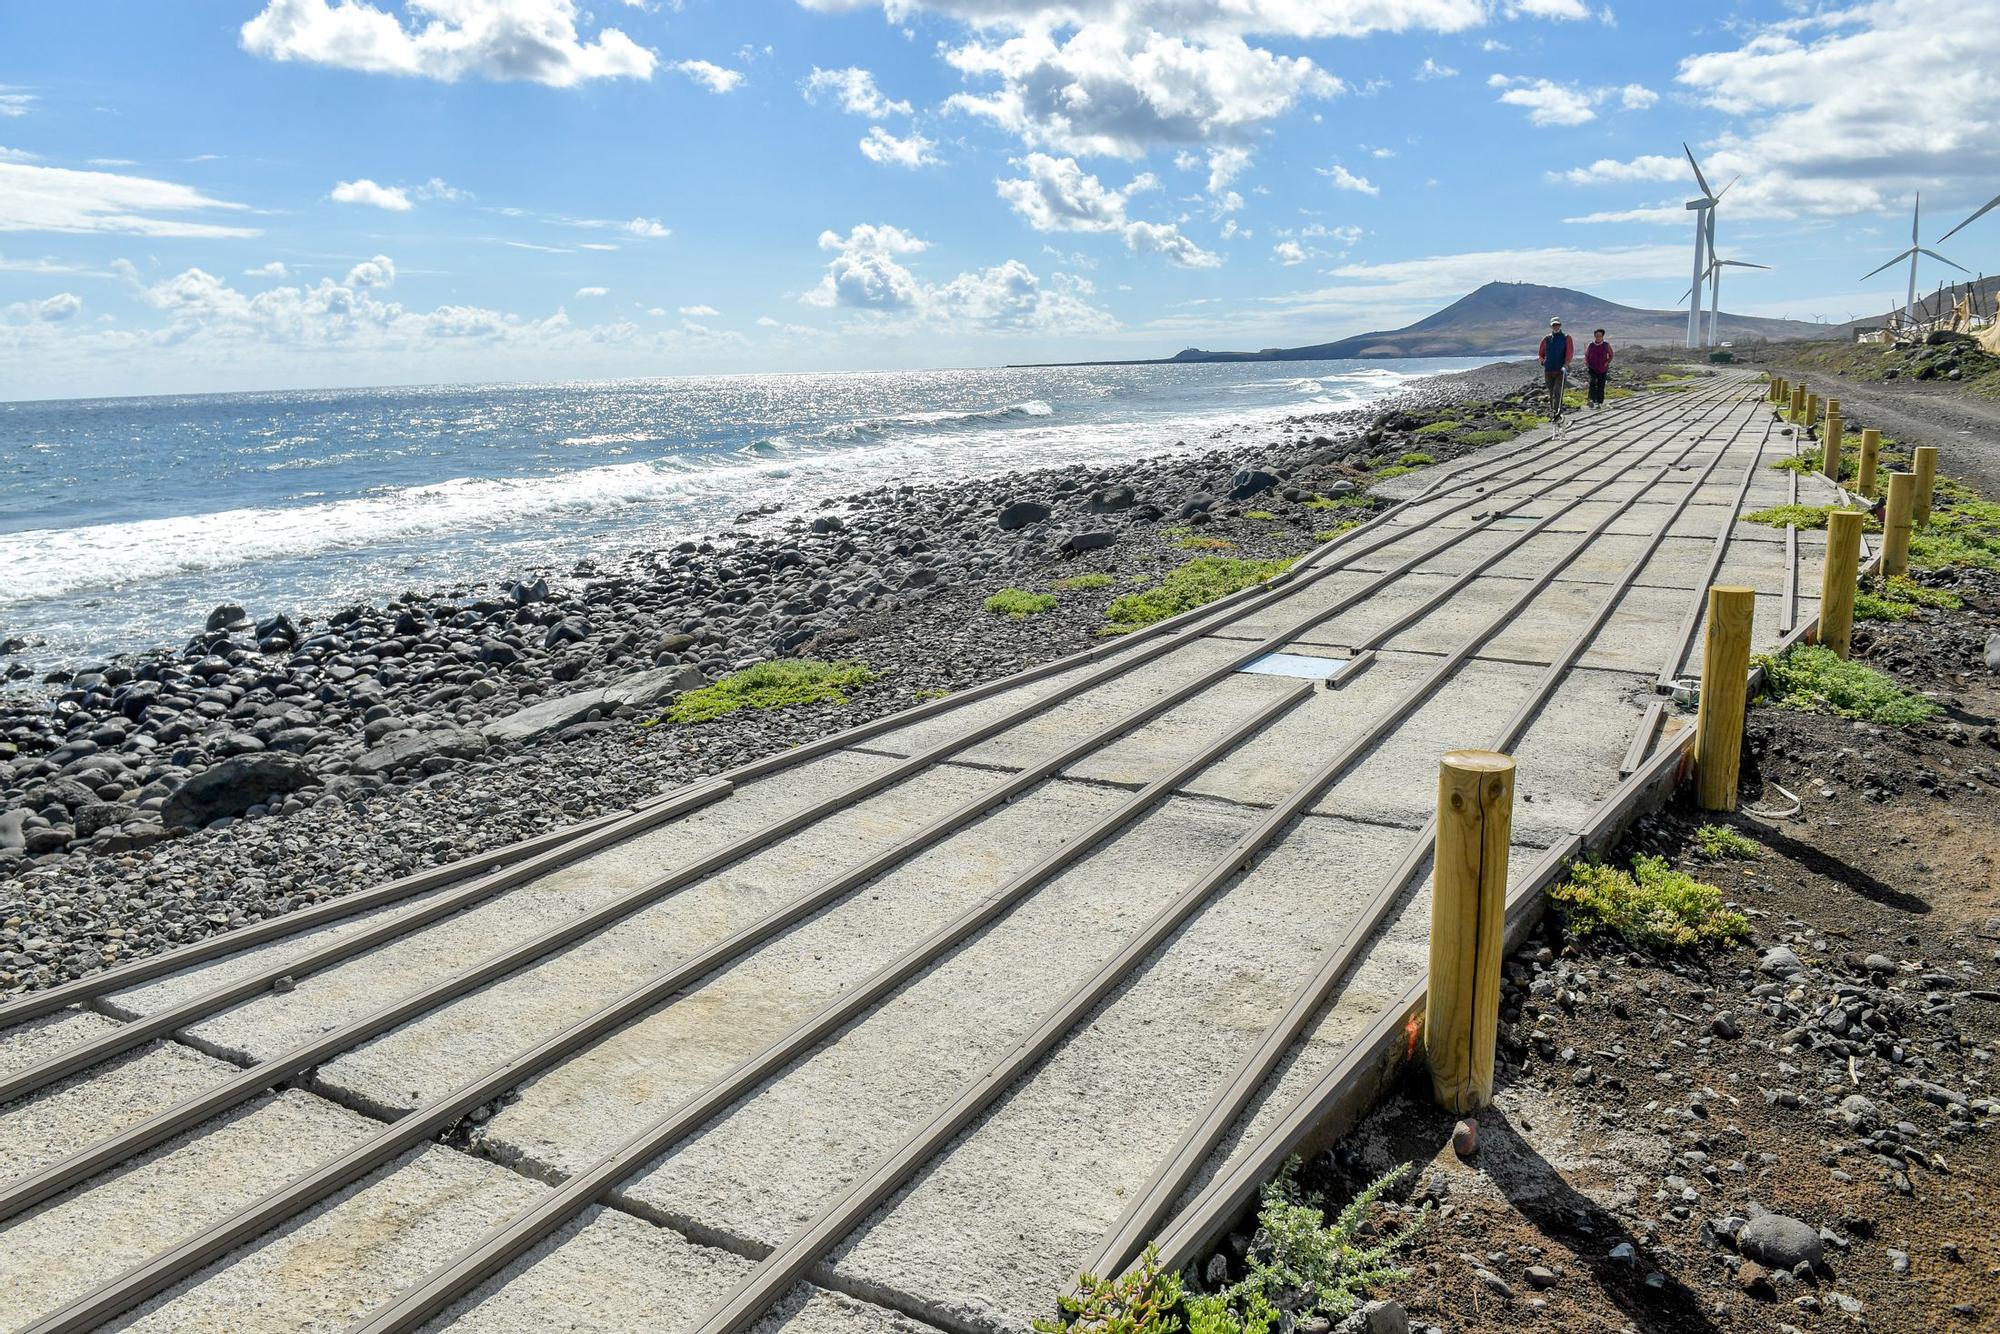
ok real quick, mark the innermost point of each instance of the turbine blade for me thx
(1725, 189)
(1699, 178)
(1897, 260)
(1941, 259)
(1742, 264)
(1981, 212)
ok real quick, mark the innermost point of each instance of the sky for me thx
(266, 194)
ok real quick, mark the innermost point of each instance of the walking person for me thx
(1597, 359)
(1555, 353)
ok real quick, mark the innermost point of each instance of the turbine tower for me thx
(1714, 275)
(1916, 248)
(1701, 209)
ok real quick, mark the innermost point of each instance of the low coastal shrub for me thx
(1077, 582)
(1962, 532)
(1328, 534)
(1195, 584)
(1652, 906)
(1206, 544)
(772, 685)
(1801, 516)
(1314, 1267)
(1019, 603)
(1721, 842)
(1901, 598)
(1345, 500)
(929, 693)
(1618, 391)
(1522, 421)
(1437, 428)
(1813, 679)
(1416, 459)
(1258, 514)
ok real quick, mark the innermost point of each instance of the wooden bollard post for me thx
(1830, 448)
(1475, 834)
(1812, 408)
(1838, 576)
(1725, 688)
(1798, 408)
(1832, 406)
(1896, 523)
(1871, 448)
(1923, 465)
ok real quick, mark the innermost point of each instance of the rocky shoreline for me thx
(276, 760)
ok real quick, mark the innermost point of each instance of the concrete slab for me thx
(56, 1121)
(352, 989)
(764, 1170)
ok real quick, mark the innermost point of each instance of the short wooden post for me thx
(1725, 688)
(1812, 407)
(1475, 833)
(1838, 576)
(1896, 523)
(1923, 465)
(1830, 448)
(1798, 408)
(1871, 448)
(1832, 406)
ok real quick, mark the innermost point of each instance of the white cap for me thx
(1554, 322)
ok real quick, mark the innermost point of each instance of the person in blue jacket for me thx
(1556, 350)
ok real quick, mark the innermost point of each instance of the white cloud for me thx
(14, 102)
(1646, 167)
(867, 275)
(911, 151)
(111, 162)
(436, 189)
(50, 310)
(645, 229)
(1548, 9)
(1225, 165)
(56, 199)
(1637, 96)
(364, 191)
(1120, 91)
(17, 155)
(533, 40)
(1548, 103)
(274, 269)
(593, 291)
(700, 312)
(1289, 252)
(1199, 18)
(1343, 179)
(1057, 195)
(856, 90)
(710, 76)
(1432, 70)
(596, 245)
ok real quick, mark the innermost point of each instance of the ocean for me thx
(123, 521)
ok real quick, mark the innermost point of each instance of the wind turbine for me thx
(1714, 274)
(1916, 248)
(1977, 214)
(1701, 208)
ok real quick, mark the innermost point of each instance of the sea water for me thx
(124, 521)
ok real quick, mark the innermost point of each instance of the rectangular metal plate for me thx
(1299, 665)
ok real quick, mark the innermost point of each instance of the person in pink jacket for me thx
(1597, 358)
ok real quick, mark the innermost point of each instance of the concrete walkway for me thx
(985, 1235)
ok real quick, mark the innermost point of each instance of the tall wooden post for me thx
(1725, 689)
(1475, 824)
(1832, 406)
(1829, 439)
(1798, 401)
(1923, 464)
(1896, 523)
(1838, 576)
(1871, 448)
(1812, 408)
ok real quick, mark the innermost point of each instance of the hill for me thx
(1506, 319)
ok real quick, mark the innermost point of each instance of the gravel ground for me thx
(276, 760)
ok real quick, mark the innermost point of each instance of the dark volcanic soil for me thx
(1648, 1105)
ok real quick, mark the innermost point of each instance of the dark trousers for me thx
(1597, 387)
(1555, 383)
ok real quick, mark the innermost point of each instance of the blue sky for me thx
(289, 193)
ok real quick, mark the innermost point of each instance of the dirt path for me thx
(1965, 430)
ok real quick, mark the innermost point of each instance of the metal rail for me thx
(1670, 671)
(790, 1261)
(165, 1269)
(193, 1009)
(1204, 1135)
